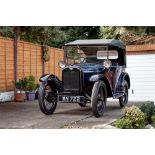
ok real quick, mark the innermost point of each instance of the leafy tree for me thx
(79, 32)
(52, 35)
(57, 36)
(109, 32)
(6, 31)
(129, 34)
(41, 34)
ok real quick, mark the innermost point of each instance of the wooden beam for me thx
(140, 48)
(16, 38)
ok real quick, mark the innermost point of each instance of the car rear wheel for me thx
(47, 97)
(123, 100)
(99, 98)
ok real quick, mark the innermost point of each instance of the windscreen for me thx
(93, 53)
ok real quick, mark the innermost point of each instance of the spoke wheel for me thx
(99, 98)
(123, 100)
(47, 97)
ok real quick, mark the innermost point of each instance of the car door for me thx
(116, 74)
(115, 69)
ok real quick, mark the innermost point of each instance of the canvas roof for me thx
(97, 42)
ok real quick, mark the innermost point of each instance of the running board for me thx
(117, 95)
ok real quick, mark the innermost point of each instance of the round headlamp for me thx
(107, 63)
(62, 64)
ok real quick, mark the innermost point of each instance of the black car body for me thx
(96, 72)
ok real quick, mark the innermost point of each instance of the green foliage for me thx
(31, 78)
(130, 35)
(37, 85)
(109, 32)
(31, 86)
(18, 84)
(81, 32)
(142, 30)
(55, 36)
(123, 123)
(119, 32)
(72, 52)
(153, 119)
(42, 34)
(135, 115)
(6, 31)
(46, 56)
(149, 110)
(21, 84)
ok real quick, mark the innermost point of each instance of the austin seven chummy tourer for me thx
(92, 71)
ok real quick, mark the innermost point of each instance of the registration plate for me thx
(66, 98)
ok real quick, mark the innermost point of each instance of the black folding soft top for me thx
(97, 42)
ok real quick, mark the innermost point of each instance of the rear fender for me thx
(123, 77)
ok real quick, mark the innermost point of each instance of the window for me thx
(103, 54)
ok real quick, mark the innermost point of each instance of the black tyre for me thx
(82, 104)
(47, 98)
(123, 100)
(99, 98)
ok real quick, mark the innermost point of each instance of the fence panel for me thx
(29, 61)
(6, 64)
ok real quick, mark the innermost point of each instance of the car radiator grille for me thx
(71, 79)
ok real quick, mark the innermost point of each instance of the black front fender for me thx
(52, 80)
(95, 78)
(44, 78)
(98, 77)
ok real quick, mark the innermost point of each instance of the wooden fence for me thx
(29, 61)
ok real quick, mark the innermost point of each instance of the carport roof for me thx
(97, 42)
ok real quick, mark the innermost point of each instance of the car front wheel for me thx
(99, 98)
(47, 97)
(123, 100)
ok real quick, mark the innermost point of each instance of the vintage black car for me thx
(92, 71)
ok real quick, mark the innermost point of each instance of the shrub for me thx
(21, 84)
(123, 123)
(153, 120)
(31, 78)
(37, 85)
(46, 56)
(135, 115)
(18, 84)
(30, 83)
(149, 110)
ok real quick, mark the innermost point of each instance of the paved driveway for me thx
(28, 115)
